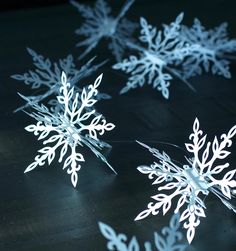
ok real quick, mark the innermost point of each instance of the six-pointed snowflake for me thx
(168, 241)
(100, 24)
(164, 49)
(192, 181)
(211, 49)
(70, 128)
(47, 76)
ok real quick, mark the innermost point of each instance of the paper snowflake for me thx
(168, 241)
(100, 24)
(47, 76)
(74, 126)
(153, 66)
(192, 181)
(211, 49)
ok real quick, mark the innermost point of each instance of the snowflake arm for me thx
(100, 24)
(191, 182)
(47, 75)
(73, 126)
(124, 9)
(210, 49)
(46, 72)
(154, 64)
(121, 38)
(169, 240)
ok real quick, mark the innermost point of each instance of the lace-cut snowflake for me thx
(100, 24)
(211, 49)
(165, 48)
(192, 181)
(72, 127)
(168, 241)
(47, 76)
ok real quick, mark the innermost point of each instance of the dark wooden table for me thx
(41, 210)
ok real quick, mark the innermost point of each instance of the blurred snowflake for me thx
(212, 49)
(165, 49)
(47, 76)
(192, 181)
(168, 241)
(100, 24)
(73, 126)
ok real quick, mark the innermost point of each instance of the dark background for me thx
(41, 210)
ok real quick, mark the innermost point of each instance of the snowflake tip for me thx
(180, 17)
(30, 167)
(98, 80)
(143, 21)
(124, 90)
(190, 235)
(74, 179)
(165, 93)
(144, 169)
(75, 4)
(106, 230)
(142, 144)
(31, 52)
(142, 215)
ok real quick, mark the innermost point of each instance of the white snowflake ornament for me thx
(193, 181)
(100, 24)
(46, 77)
(155, 63)
(169, 240)
(212, 48)
(70, 128)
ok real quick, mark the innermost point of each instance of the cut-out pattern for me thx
(154, 65)
(47, 76)
(194, 180)
(70, 128)
(169, 239)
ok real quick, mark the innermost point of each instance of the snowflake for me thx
(170, 241)
(72, 127)
(211, 49)
(192, 181)
(154, 63)
(48, 75)
(99, 24)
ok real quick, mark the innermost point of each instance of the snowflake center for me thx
(71, 132)
(195, 180)
(109, 27)
(154, 58)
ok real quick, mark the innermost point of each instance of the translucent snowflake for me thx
(47, 75)
(72, 127)
(168, 241)
(211, 49)
(100, 24)
(192, 181)
(165, 49)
